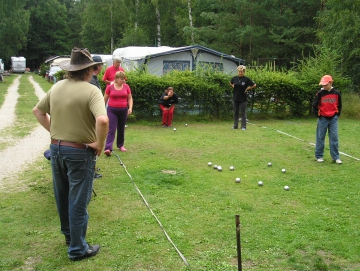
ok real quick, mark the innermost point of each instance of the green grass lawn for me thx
(313, 226)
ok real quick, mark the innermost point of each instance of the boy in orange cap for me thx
(327, 107)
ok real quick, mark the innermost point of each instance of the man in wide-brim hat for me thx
(80, 59)
(78, 130)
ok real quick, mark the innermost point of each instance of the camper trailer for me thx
(163, 59)
(18, 64)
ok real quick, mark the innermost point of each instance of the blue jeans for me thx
(239, 107)
(330, 125)
(73, 175)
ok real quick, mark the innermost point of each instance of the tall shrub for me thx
(199, 94)
(277, 93)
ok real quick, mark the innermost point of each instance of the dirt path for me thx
(30, 148)
(7, 111)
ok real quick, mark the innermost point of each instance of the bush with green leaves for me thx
(325, 61)
(209, 94)
(60, 75)
(279, 94)
(43, 68)
(198, 94)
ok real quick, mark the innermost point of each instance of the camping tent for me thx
(160, 60)
(55, 60)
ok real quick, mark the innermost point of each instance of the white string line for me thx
(313, 144)
(290, 135)
(153, 214)
(348, 155)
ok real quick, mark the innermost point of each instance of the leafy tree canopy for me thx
(14, 26)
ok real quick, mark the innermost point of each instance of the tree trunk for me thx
(136, 13)
(111, 27)
(191, 22)
(158, 27)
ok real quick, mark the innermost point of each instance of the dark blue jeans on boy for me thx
(331, 125)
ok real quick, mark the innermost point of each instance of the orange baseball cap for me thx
(325, 80)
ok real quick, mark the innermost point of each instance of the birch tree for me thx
(191, 23)
(158, 22)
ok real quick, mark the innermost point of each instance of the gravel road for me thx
(28, 149)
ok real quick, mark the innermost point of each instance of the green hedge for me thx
(198, 94)
(278, 94)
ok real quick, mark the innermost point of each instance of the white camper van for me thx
(18, 64)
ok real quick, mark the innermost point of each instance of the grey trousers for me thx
(240, 107)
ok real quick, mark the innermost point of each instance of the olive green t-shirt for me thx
(73, 107)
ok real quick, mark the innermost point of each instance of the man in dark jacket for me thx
(95, 81)
(327, 107)
(96, 70)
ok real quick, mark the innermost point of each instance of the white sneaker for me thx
(338, 161)
(320, 160)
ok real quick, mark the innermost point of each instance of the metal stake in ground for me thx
(237, 221)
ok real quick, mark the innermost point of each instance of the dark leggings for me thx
(117, 120)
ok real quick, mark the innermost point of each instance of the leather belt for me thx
(69, 144)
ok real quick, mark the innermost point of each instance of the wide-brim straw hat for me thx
(80, 59)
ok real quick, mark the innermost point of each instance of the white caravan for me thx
(18, 64)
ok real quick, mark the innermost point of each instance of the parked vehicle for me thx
(18, 64)
(51, 75)
(54, 67)
(56, 61)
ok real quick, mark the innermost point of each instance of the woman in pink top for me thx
(119, 107)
